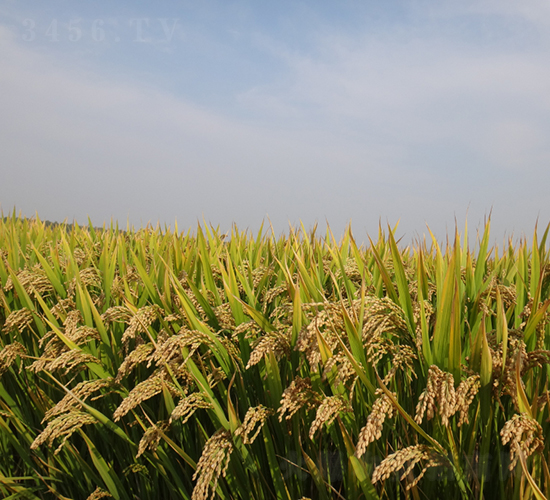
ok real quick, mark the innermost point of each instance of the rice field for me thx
(159, 364)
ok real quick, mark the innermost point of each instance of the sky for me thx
(424, 112)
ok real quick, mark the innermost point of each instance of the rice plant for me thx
(154, 363)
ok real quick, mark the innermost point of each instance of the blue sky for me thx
(232, 112)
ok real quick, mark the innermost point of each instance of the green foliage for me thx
(152, 364)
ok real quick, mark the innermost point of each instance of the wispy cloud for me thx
(407, 121)
(75, 143)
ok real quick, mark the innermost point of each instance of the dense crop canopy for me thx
(152, 364)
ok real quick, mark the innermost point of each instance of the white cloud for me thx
(416, 126)
(536, 12)
(74, 143)
(417, 91)
(517, 145)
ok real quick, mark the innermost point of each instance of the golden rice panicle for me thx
(504, 376)
(173, 318)
(140, 322)
(323, 323)
(307, 343)
(446, 397)
(465, 394)
(372, 431)
(139, 355)
(54, 348)
(537, 358)
(119, 314)
(297, 395)
(141, 392)
(9, 354)
(89, 277)
(98, 493)
(63, 426)
(33, 280)
(71, 322)
(343, 368)
(82, 391)
(119, 292)
(79, 256)
(62, 308)
(188, 405)
(249, 329)
(255, 418)
(426, 404)
(327, 412)
(4, 256)
(18, 320)
(270, 294)
(402, 359)
(405, 460)
(439, 392)
(382, 316)
(524, 435)
(541, 325)
(276, 342)
(169, 348)
(180, 372)
(225, 317)
(53, 342)
(70, 360)
(215, 376)
(396, 461)
(84, 334)
(151, 438)
(212, 465)
(57, 357)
